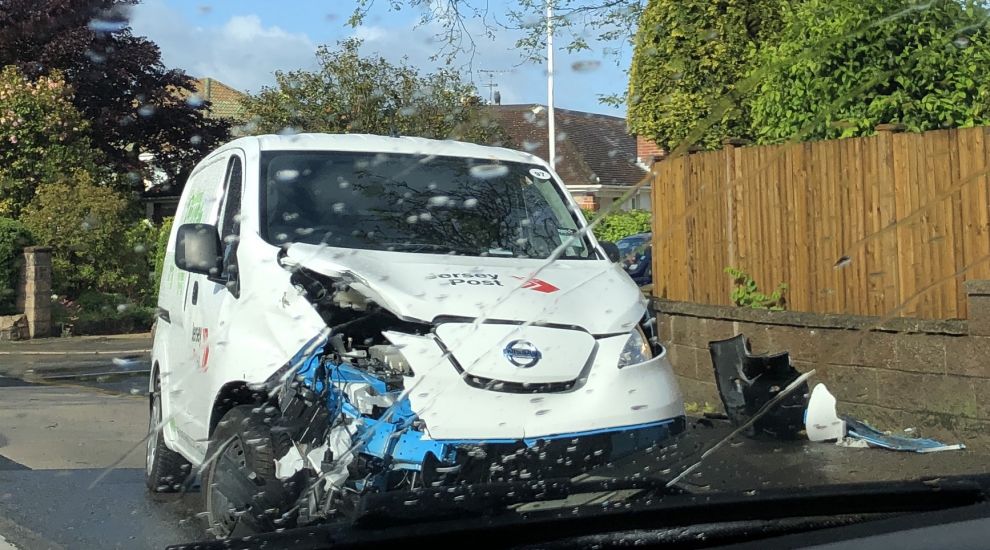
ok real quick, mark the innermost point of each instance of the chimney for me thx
(647, 150)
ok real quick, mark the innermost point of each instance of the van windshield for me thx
(416, 203)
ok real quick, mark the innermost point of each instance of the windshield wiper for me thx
(436, 248)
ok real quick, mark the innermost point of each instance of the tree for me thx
(578, 21)
(133, 103)
(42, 137)
(89, 229)
(689, 59)
(354, 94)
(13, 238)
(843, 66)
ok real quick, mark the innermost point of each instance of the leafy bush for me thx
(688, 54)
(617, 225)
(747, 293)
(875, 62)
(13, 237)
(87, 225)
(102, 313)
(42, 137)
(160, 247)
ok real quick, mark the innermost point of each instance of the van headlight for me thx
(637, 349)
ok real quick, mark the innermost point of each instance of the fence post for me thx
(36, 290)
(729, 151)
(889, 243)
(978, 296)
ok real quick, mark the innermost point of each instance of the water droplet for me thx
(146, 110)
(961, 42)
(95, 57)
(470, 203)
(103, 25)
(488, 171)
(585, 66)
(194, 100)
(438, 201)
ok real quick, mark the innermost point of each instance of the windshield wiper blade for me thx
(419, 247)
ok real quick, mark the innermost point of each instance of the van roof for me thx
(375, 144)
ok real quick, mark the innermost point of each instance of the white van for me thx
(347, 313)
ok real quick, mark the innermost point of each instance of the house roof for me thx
(225, 102)
(591, 148)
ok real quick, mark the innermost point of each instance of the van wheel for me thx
(164, 469)
(240, 489)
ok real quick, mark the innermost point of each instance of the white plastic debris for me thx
(820, 420)
(852, 442)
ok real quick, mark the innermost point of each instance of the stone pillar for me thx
(34, 297)
(978, 305)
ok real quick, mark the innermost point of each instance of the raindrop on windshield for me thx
(585, 66)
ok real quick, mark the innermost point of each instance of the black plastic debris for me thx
(746, 382)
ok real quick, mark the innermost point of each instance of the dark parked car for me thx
(637, 257)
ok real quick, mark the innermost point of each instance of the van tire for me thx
(165, 471)
(244, 439)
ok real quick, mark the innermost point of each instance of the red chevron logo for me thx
(539, 285)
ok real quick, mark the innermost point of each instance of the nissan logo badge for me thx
(522, 354)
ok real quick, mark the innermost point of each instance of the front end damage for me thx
(379, 402)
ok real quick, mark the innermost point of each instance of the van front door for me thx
(210, 301)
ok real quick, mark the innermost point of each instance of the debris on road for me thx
(876, 438)
(747, 382)
(821, 421)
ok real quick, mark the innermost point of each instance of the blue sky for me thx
(242, 42)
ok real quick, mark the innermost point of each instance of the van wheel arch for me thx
(233, 394)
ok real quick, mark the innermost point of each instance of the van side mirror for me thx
(611, 251)
(197, 249)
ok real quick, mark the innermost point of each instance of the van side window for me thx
(230, 229)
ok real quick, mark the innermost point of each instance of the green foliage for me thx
(843, 66)
(160, 248)
(42, 137)
(102, 313)
(747, 293)
(620, 224)
(139, 255)
(689, 53)
(13, 238)
(87, 225)
(350, 93)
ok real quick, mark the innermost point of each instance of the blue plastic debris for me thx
(861, 430)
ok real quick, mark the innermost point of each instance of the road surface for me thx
(71, 467)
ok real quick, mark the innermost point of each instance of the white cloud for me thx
(241, 53)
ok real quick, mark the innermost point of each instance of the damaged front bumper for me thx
(357, 426)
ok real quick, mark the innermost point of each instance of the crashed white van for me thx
(341, 314)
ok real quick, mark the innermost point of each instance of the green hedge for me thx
(101, 313)
(620, 224)
(13, 238)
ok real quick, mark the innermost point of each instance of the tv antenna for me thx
(493, 95)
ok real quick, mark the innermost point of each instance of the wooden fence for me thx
(889, 224)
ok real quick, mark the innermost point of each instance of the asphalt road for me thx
(71, 466)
